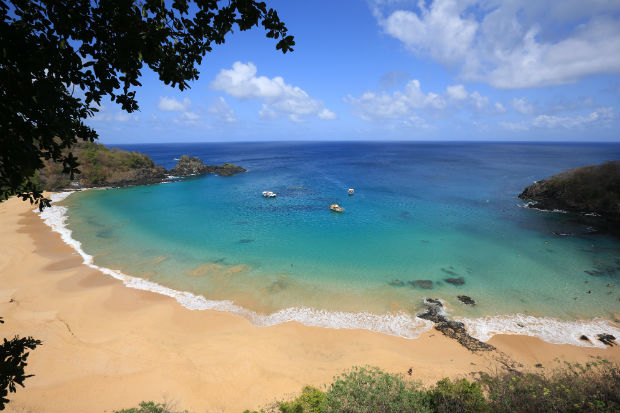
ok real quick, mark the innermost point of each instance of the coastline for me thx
(108, 347)
(399, 324)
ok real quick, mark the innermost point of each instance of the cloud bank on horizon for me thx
(429, 70)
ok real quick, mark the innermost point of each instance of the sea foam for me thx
(396, 324)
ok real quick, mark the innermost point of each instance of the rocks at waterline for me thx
(607, 339)
(194, 166)
(450, 328)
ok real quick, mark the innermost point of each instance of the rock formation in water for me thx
(451, 328)
(589, 190)
(194, 166)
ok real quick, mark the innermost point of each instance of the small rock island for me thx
(194, 166)
(592, 190)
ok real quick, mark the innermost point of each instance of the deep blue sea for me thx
(422, 213)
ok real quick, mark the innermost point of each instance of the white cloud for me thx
(600, 116)
(280, 98)
(512, 43)
(499, 108)
(457, 92)
(222, 112)
(522, 106)
(327, 114)
(404, 104)
(167, 104)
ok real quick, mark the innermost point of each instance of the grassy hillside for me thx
(589, 189)
(102, 166)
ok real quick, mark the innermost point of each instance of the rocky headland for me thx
(194, 166)
(101, 166)
(590, 191)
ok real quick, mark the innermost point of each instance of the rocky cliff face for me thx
(586, 190)
(194, 166)
(101, 167)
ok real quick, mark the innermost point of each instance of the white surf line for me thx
(396, 324)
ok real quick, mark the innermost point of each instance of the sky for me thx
(492, 70)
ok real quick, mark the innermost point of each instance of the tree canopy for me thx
(61, 58)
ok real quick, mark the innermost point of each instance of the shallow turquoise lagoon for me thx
(421, 214)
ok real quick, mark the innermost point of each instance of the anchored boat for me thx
(269, 194)
(336, 208)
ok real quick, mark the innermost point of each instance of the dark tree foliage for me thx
(13, 357)
(52, 49)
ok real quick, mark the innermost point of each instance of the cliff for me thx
(586, 190)
(101, 166)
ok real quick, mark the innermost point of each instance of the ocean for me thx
(427, 220)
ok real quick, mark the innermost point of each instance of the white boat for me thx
(269, 194)
(351, 191)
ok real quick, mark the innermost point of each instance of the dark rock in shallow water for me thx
(607, 339)
(584, 338)
(396, 283)
(450, 328)
(466, 300)
(433, 312)
(449, 272)
(455, 281)
(424, 284)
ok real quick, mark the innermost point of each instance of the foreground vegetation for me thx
(594, 387)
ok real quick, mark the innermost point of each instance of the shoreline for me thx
(108, 347)
(399, 324)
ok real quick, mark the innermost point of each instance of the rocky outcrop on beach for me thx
(589, 191)
(194, 166)
(450, 328)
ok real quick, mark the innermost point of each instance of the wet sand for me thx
(107, 347)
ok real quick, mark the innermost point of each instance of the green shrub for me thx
(460, 396)
(147, 407)
(368, 389)
(594, 387)
(311, 400)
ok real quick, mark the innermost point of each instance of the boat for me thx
(336, 208)
(269, 194)
(351, 191)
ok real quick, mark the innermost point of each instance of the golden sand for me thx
(108, 347)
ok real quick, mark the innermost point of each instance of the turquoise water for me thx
(425, 212)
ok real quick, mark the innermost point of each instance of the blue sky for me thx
(398, 70)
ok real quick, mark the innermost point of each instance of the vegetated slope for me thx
(589, 189)
(102, 166)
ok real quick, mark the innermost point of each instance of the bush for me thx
(311, 400)
(594, 387)
(460, 396)
(148, 407)
(368, 389)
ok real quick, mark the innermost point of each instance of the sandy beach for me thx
(107, 347)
